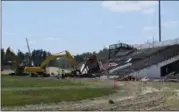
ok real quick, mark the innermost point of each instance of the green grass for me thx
(22, 81)
(20, 98)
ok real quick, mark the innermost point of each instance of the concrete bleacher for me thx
(139, 54)
(164, 54)
(124, 70)
(143, 53)
(148, 57)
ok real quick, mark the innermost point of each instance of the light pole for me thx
(159, 21)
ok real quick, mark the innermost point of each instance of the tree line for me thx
(39, 55)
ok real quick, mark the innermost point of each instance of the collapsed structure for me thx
(155, 62)
(124, 60)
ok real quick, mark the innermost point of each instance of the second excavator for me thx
(41, 70)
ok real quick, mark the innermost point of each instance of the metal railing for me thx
(157, 44)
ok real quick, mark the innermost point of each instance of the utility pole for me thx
(159, 21)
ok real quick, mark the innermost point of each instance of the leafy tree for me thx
(21, 56)
(103, 54)
(2, 57)
(39, 55)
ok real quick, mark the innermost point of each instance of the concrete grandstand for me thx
(153, 62)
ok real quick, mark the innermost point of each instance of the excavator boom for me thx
(41, 68)
(52, 57)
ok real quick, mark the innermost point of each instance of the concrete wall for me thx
(54, 70)
(154, 70)
(51, 70)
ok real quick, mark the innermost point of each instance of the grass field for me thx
(134, 95)
(18, 91)
(19, 98)
(17, 81)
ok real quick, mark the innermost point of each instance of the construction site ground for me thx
(127, 95)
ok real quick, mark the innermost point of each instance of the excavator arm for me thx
(41, 68)
(55, 56)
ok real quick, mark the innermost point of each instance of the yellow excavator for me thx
(91, 64)
(41, 70)
(15, 62)
(36, 70)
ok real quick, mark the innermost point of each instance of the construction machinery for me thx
(34, 70)
(41, 70)
(90, 67)
(15, 62)
(28, 47)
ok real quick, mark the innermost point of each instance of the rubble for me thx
(103, 77)
(145, 79)
(128, 78)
